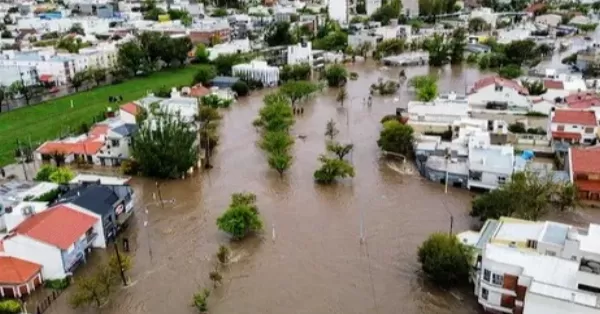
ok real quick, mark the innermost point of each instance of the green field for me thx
(47, 120)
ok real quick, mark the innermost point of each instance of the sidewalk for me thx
(18, 172)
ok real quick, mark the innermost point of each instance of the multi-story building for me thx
(12, 73)
(498, 93)
(536, 267)
(584, 170)
(440, 113)
(59, 69)
(572, 127)
(90, 25)
(202, 31)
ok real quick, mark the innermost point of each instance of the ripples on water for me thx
(316, 263)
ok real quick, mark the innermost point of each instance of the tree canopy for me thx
(396, 137)
(278, 34)
(528, 196)
(242, 217)
(298, 90)
(165, 146)
(445, 260)
(336, 75)
(332, 169)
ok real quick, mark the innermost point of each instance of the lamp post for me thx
(447, 157)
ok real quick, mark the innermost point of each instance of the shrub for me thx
(200, 300)
(57, 284)
(241, 88)
(10, 307)
(536, 114)
(241, 218)
(336, 75)
(130, 167)
(48, 197)
(44, 173)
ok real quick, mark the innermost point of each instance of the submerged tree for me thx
(242, 217)
(200, 300)
(208, 117)
(331, 130)
(165, 146)
(445, 260)
(298, 90)
(215, 277)
(332, 169)
(342, 96)
(396, 137)
(223, 254)
(340, 150)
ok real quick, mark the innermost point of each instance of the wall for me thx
(538, 304)
(588, 279)
(372, 5)
(488, 180)
(77, 252)
(126, 117)
(26, 248)
(489, 93)
(100, 240)
(575, 128)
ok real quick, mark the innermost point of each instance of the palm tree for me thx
(342, 95)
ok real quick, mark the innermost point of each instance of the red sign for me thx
(119, 209)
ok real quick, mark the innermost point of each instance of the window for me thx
(497, 279)
(532, 244)
(475, 175)
(114, 143)
(560, 128)
(486, 275)
(573, 258)
(501, 180)
(484, 293)
(550, 253)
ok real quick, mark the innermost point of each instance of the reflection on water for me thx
(315, 263)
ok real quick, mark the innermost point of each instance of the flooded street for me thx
(309, 258)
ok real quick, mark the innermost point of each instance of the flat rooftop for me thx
(519, 230)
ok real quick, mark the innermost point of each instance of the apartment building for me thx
(90, 25)
(536, 267)
(59, 69)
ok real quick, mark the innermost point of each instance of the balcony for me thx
(89, 239)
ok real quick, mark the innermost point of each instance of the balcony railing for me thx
(89, 239)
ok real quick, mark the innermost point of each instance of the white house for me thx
(490, 166)
(443, 111)
(56, 238)
(257, 71)
(497, 92)
(536, 267)
(232, 47)
(573, 126)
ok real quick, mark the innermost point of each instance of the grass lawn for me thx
(47, 120)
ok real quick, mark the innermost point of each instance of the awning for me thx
(566, 135)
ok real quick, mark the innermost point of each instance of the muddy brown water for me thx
(309, 258)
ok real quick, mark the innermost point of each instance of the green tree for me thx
(204, 74)
(241, 88)
(340, 150)
(296, 72)
(510, 71)
(438, 50)
(425, 86)
(336, 75)
(126, 263)
(298, 90)
(276, 142)
(79, 79)
(240, 219)
(224, 62)
(200, 300)
(280, 161)
(277, 114)
(364, 48)
(391, 47)
(77, 29)
(458, 43)
(396, 137)
(157, 139)
(278, 34)
(93, 289)
(208, 117)
(62, 175)
(478, 25)
(331, 130)
(519, 51)
(387, 12)
(445, 260)
(333, 41)
(98, 75)
(535, 88)
(332, 169)
(133, 59)
(342, 95)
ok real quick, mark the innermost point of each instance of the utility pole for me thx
(446, 193)
(148, 233)
(120, 263)
(22, 157)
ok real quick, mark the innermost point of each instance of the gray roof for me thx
(96, 198)
(488, 231)
(126, 129)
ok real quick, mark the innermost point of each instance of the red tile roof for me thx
(16, 271)
(566, 135)
(46, 77)
(60, 226)
(484, 82)
(130, 108)
(579, 117)
(585, 160)
(88, 146)
(199, 91)
(581, 96)
(551, 84)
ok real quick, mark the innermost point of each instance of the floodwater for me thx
(309, 259)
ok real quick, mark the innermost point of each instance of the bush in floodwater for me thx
(201, 300)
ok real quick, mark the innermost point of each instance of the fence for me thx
(45, 303)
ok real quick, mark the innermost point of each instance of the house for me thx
(56, 238)
(113, 203)
(572, 127)
(500, 94)
(13, 193)
(18, 277)
(106, 144)
(440, 113)
(128, 112)
(584, 170)
(490, 166)
(535, 267)
(583, 101)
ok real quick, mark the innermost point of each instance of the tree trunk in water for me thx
(207, 157)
